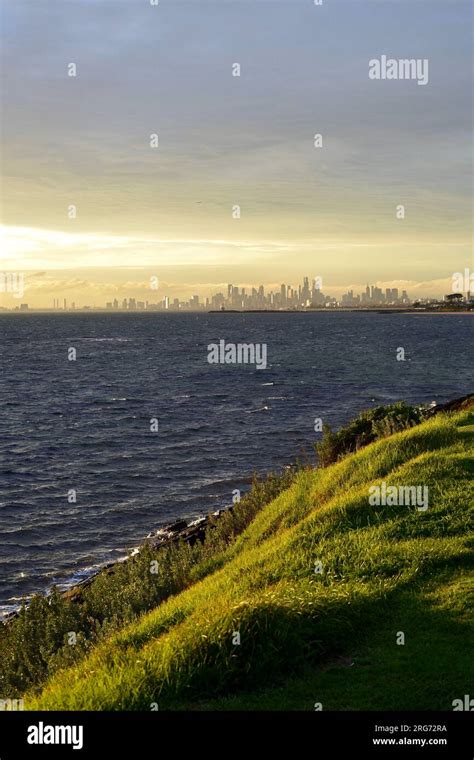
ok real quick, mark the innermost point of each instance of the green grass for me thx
(307, 637)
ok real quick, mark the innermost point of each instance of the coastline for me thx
(178, 531)
(160, 626)
(171, 533)
(305, 310)
(341, 309)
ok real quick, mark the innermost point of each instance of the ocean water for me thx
(84, 425)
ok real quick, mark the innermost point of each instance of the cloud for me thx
(25, 247)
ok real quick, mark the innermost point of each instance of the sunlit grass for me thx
(385, 569)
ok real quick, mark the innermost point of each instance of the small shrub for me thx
(367, 427)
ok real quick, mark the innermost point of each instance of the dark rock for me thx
(176, 526)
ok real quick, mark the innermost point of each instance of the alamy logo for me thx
(238, 353)
(403, 68)
(463, 282)
(42, 734)
(399, 496)
(12, 282)
(463, 704)
(11, 705)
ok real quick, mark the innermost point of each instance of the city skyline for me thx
(236, 297)
(94, 287)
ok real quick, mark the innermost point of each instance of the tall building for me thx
(305, 293)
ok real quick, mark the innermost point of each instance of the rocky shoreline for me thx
(180, 530)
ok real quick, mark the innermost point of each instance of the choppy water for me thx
(85, 425)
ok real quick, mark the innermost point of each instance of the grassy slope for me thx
(308, 637)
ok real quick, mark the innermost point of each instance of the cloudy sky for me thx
(224, 141)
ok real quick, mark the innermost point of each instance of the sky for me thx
(226, 141)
